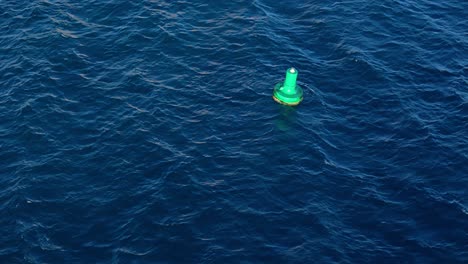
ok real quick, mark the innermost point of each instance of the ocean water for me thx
(145, 132)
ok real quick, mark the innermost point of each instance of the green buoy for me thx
(288, 92)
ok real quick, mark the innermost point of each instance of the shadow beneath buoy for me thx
(286, 118)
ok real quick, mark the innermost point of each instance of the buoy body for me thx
(288, 92)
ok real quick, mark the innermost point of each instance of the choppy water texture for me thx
(145, 132)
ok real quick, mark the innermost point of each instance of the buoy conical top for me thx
(288, 92)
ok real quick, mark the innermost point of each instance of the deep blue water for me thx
(145, 132)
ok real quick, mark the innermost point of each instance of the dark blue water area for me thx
(146, 132)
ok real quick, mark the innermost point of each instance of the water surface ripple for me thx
(145, 132)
